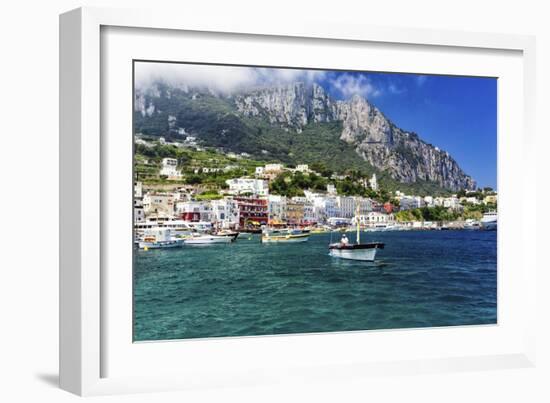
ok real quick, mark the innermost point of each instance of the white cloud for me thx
(350, 84)
(218, 78)
(394, 89)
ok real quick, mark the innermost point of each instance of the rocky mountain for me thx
(271, 120)
(386, 147)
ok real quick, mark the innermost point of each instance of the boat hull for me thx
(160, 245)
(363, 252)
(489, 225)
(285, 238)
(232, 235)
(208, 240)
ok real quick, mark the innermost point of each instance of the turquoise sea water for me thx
(424, 278)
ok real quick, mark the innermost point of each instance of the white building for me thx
(225, 213)
(208, 170)
(260, 171)
(158, 203)
(318, 203)
(304, 168)
(373, 183)
(470, 199)
(194, 211)
(169, 168)
(451, 202)
(310, 214)
(331, 189)
(346, 205)
(375, 218)
(411, 202)
(277, 208)
(365, 205)
(332, 208)
(273, 168)
(257, 187)
(429, 201)
(138, 190)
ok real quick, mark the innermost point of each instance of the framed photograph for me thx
(247, 204)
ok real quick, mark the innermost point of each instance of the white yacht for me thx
(489, 221)
(205, 239)
(179, 228)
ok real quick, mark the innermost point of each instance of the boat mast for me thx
(357, 220)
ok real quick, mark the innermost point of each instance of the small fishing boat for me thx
(157, 238)
(365, 251)
(358, 251)
(205, 239)
(320, 230)
(284, 235)
(227, 233)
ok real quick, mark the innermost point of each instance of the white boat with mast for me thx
(358, 251)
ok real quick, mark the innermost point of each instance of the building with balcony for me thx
(169, 168)
(158, 203)
(252, 212)
(242, 186)
(225, 213)
(277, 209)
(194, 211)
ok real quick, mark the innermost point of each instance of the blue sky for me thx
(456, 114)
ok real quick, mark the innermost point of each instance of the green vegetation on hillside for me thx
(440, 213)
(211, 168)
(215, 122)
(293, 184)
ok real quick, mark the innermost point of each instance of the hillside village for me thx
(229, 191)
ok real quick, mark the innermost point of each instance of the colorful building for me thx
(194, 211)
(252, 212)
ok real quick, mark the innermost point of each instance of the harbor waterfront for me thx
(281, 201)
(244, 288)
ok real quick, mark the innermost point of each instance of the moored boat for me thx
(227, 233)
(284, 235)
(157, 238)
(205, 239)
(364, 252)
(471, 224)
(358, 251)
(320, 230)
(489, 221)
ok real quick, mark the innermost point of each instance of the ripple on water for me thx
(246, 288)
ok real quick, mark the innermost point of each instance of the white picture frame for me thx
(86, 345)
